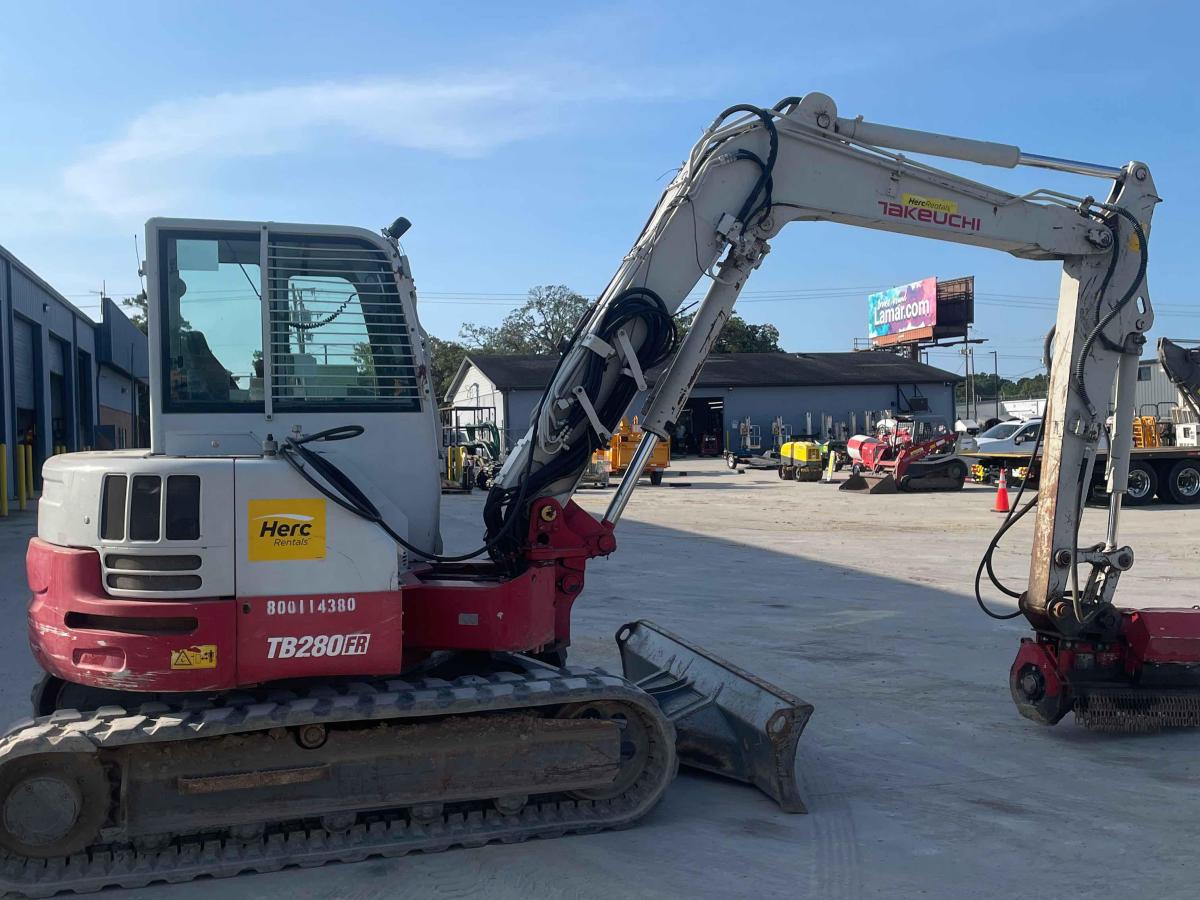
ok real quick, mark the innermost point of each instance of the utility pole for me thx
(975, 388)
(971, 405)
(996, 375)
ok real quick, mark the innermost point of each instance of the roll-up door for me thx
(57, 366)
(23, 357)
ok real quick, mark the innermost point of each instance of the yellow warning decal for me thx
(285, 529)
(934, 203)
(201, 656)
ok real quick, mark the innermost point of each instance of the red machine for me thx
(911, 452)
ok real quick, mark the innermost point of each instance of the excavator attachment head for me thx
(870, 483)
(727, 721)
(1182, 366)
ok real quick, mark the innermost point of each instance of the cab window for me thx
(213, 322)
(338, 331)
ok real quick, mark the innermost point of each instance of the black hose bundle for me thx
(506, 507)
(333, 483)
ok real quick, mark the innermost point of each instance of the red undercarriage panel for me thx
(79, 633)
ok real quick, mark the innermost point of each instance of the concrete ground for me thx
(921, 778)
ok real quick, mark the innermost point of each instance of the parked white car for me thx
(1013, 437)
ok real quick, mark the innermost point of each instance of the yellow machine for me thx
(1145, 432)
(800, 461)
(625, 442)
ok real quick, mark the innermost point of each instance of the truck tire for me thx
(731, 460)
(958, 472)
(656, 478)
(1143, 484)
(1183, 482)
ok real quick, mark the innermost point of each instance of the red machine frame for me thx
(80, 634)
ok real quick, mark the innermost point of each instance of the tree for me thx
(739, 336)
(138, 305)
(445, 358)
(540, 325)
(986, 386)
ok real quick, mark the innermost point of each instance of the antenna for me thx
(137, 259)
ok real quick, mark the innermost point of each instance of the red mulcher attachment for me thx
(1145, 680)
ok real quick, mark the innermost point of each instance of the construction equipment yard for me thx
(920, 777)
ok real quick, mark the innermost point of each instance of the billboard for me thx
(897, 311)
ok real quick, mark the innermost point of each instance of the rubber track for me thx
(384, 834)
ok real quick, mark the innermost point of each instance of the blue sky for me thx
(527, 142)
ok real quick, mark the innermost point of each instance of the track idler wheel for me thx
(52, 804)
(635, 745)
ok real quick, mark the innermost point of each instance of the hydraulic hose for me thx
(338, 487)
(1101, 323)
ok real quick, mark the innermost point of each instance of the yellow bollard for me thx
(20, 460)
(3, 479)
(827, 478)
(29, 471)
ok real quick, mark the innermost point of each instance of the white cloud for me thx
(166, 152)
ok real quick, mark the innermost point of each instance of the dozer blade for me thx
(870, 483)
(727, 721)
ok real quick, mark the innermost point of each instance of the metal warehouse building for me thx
(814, 393)
(66, 382)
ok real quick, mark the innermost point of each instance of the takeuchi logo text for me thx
(917, 212)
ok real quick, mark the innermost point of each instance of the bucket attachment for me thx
(870, 483)
(727, 721)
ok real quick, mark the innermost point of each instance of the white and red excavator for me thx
(257, 653)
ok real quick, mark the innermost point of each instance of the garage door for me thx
(56, 357)
(23, 363)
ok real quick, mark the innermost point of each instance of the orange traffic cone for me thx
(1001, 505)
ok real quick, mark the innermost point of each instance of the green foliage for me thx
(138, 316)
(539, 325)
(985, 386)
(445, 358)
(138, 304)
(739, 336)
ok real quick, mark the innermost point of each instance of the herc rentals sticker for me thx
(286, 530)
(936, 203)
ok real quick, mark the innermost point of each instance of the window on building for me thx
(1143, 373)
(338, 331)
(213, 320)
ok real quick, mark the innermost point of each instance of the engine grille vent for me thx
(136, 511)
(140, 512)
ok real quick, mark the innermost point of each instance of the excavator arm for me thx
(755, 170)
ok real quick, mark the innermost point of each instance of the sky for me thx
(527, 142)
